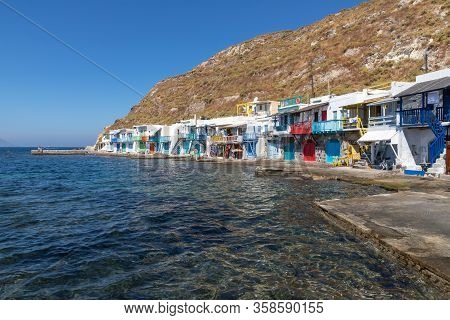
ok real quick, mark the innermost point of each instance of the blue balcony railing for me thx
(250, 136)
(164, 139)
(200, 137)
(418, 116)
(441, 115)
(114, 140)
(329, 126)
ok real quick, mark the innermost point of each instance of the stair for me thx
(437, 146)
(174, 149)
(439, 167)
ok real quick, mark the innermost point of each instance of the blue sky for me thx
(50, 96)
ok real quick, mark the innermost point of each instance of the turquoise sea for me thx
(85, 227)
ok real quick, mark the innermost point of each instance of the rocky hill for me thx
(373, 43)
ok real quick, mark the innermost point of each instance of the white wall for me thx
(413, 146)
(433, 75)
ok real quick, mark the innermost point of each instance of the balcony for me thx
(154, 139)
(200, 137)
(441, 116)
(137, 137)
(301, 128)
(187, 136)
(164, 139)
(250, 136)
(114, 140)
(329, 126)
(418, 116)
(382, 121)
(350, 124)
(227, 139)
(281, 127)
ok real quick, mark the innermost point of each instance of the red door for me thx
(324, 115)
(309, 151)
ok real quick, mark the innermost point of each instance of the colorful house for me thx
(424, 115)
(288, 126)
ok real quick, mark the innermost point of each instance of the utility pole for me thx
(425, 58)
(312, 79)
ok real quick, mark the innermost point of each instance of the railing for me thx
(436, 147)
(227, 139)
(154, 139)
(187, 136)
(164, 139)
(350, 123)
(250, 136)
(282, 127)
(418, 116)
(441, 116)
(355, 123)
(114, 140)
(382, 121)
(200, 137)
(137, 137)
(421, 116)
(327, 126)
(301, 128)
(124, 139)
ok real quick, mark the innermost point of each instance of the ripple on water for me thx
(88, 227)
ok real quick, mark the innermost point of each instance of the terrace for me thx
(330, 126)
(301, 128)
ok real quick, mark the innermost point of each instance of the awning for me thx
(377, 135)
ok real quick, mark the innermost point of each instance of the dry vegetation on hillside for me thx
(376, 42)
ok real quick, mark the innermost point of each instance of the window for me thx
(316, 116)
(335, 115)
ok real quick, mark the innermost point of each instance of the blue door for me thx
(332, 150)
(289, 153)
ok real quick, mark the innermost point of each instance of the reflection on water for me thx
(113, 228)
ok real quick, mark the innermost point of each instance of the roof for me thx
(427, 86)
(380, 102)
(378, 135)
(314, 105)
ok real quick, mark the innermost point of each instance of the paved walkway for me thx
(413, 225)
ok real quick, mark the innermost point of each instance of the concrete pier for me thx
(413, 226)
